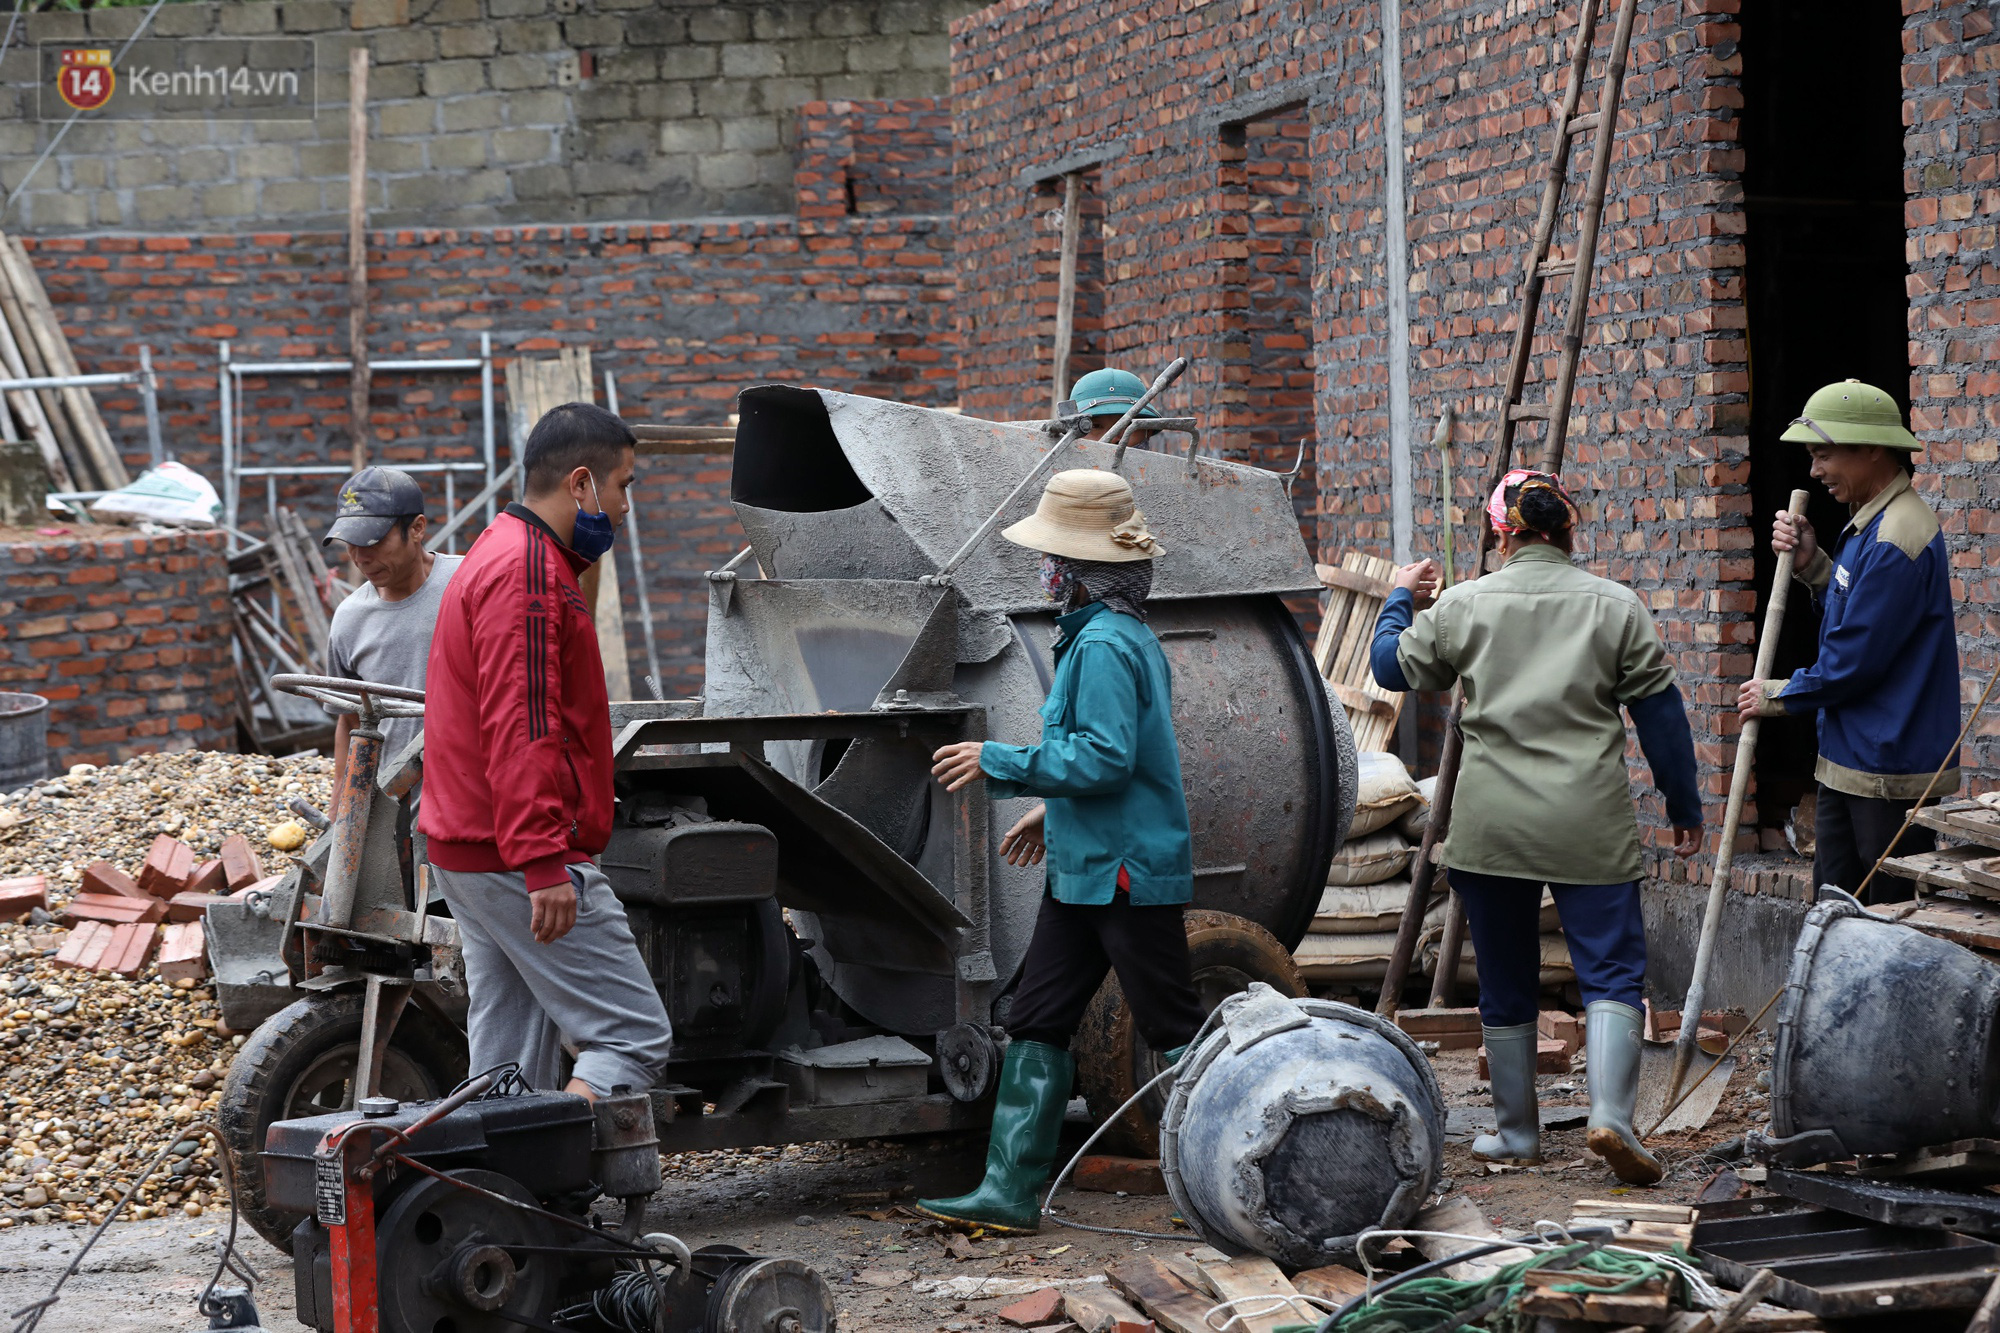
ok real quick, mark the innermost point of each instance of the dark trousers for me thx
(1850, 833)
(1075, 944)
(1602, 923)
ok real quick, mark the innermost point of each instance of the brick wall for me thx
(683, 313)
(1276, 130)
(481, 112)
(127, 636)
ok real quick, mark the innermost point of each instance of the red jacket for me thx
(517, 726)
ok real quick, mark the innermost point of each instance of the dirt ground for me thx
(836, 1206)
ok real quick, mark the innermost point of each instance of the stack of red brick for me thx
(116, 919)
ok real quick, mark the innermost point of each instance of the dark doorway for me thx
(1823, 185)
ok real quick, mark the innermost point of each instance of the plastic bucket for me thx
(24, 740)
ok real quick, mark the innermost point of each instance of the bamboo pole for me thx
(1066, 286)
(357, 252)
(93, 439)
(1739, 787)
(31, 366)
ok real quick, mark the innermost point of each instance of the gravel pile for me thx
(97, 1072)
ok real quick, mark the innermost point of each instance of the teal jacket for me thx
(1108, 766)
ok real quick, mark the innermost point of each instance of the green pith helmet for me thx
(1106, 393)
(1851, 412)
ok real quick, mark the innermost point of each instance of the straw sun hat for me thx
(1087, 515)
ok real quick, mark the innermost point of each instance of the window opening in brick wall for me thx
(1265, 395)
(1824, 269)
(1086, 342)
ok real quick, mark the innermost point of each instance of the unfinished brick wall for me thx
(127, 636)
(684, 314)
(1197, 206)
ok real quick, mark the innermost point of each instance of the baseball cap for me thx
(370, 503)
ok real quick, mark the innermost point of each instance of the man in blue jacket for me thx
(1886, 682)
(1114, 826)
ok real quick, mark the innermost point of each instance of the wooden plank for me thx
(360, 376)
(47, 406)
(1943, 870)
(1651, 1212)
(1332, 1283)
(91, 435)
(1095, 1310)
(1965, 819)
(27, 408)
(1969, 924)
(1264, 1298)
(1459, 1216)
(1174, 1305)
(1356, 701)
(1333, 577)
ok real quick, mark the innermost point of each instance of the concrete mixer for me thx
(832, 932)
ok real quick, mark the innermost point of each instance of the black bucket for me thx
(24, 740)
(1886, 1036)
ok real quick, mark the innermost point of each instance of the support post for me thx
(149, 394)
(1072, 225)
(357, 251)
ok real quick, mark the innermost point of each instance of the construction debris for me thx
(283, 596)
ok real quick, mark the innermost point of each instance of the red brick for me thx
(85, 945)
(111, 908)
(1427, 1023)
(1039, 1308)
(22, 893)
(1551, 1057)
(169, 862)
(183, 953)
(1555, 1025)
(194, 906)
(1120, 1175)
(240, 867)
(129, 950)
(207, 877)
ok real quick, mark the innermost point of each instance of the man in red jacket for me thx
(517, 777)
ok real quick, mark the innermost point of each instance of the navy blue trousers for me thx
(1606, 933)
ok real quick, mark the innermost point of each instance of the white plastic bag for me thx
(169, 493)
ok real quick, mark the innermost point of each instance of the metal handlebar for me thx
(366, 697)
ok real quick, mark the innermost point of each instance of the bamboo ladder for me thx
(1570, 125)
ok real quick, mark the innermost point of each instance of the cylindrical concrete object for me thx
(1885, 1036)
(24, 740)
(851, 502)
(1297, 1124)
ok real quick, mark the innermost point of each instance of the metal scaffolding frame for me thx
(229, 384)
(143, 377)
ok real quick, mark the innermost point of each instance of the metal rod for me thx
(457, 521)
(451, 505)
(74, 381)
(1441, 441)
(357, 251)
(1066, 288)
(328, 367)
(486, 411)
(1121, 429)
(1739, 788)
(735, 562)
(638, 557)
(149, 394)
(229, 482)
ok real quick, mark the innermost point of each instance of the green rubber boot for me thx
(1021, 1151)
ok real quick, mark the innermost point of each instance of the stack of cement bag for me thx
(1368, 884)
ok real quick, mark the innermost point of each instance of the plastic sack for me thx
(1413, 822)
(169, 493)
(1370, 860)
(1384, 792)
(1369, 909)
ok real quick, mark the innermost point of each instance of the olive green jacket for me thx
(1548, 655)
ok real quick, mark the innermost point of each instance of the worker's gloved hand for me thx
(956, 764)
(1687, 841)
(554, 912)
(1422, 581)
(1794, 534)
(1025, 844)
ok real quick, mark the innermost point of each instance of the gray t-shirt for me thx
(389, 643)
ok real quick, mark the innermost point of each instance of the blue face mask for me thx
(594, 533)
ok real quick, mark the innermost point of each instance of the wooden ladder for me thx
(1570, 124)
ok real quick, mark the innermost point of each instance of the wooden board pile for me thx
(1193, 1291)
(282, 595)
(116, 919)
(63, 424)
(1356, 589)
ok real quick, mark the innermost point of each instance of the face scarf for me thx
(594, 533)
(1123, 586)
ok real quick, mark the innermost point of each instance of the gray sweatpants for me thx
(589, 986)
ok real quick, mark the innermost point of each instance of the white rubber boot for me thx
(1510, 1066)
(1611, 1039)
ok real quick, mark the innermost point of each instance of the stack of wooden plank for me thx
(1356, 589)
(1960, 881)
(64, 424)
(283, 596)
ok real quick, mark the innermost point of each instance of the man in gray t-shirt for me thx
(382, 631)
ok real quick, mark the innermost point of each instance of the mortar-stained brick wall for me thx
(684, 314)
(127, 636)
(480, 112)
(1199, 127)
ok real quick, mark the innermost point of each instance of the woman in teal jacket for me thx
(1113, 825)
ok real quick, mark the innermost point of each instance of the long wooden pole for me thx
(1072, 226)
(357, 251)
(1739, 787)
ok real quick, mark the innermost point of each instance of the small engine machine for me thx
(472, 1215)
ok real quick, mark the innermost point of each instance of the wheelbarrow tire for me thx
(298, 1063)
(1226, 953)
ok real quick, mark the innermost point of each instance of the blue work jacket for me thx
(1108, 765)
(1886, 682)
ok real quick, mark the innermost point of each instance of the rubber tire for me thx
(284, 1047)
(1226, 953)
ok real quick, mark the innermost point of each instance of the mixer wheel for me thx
(771, 1296)
(300, 1062)
(1226, 953)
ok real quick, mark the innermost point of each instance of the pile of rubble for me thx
(101, 1059)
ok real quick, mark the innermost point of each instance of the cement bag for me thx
(1370, 860)
(169, 493)
(1555, 968)
(1344, 959)
(1369, 908)
(1414, 822)
(1384, 793)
